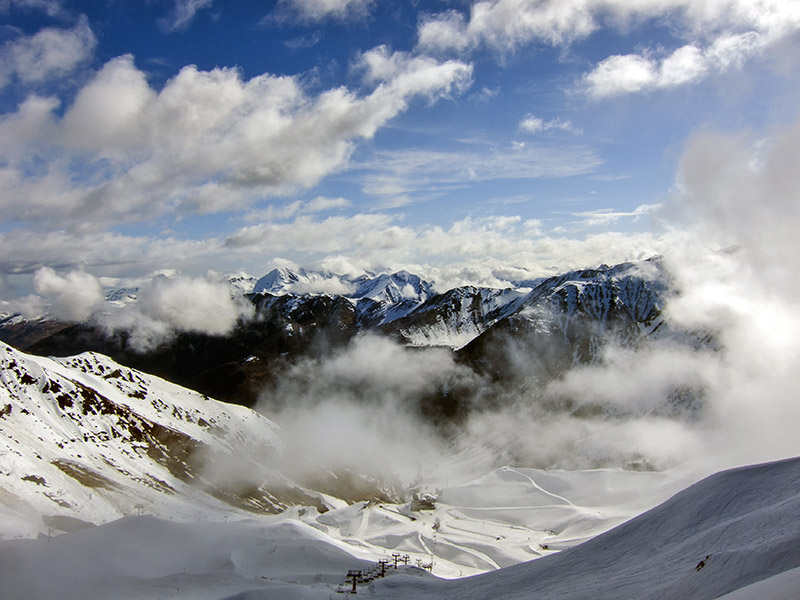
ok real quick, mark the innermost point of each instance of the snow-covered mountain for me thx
(301, 312)
(454, 318)
(568, 320)
(85, 439)
(377, 298)
(284, 280)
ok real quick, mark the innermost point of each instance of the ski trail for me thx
(540, 488)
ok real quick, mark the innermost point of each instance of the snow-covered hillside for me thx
(85, 440)
(736, 530)
(726, 532)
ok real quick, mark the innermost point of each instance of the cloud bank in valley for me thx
(718, 392)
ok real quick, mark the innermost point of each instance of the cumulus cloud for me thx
(631, 73)
(722, 34)
(453, 254)
(505, 24)
(377, 239)
(166, 305)
(104, 253)
(207, 141)
(74, 296)
(49, 53)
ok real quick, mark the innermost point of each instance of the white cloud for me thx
(533, 124)
(722, 33)
(320, 405)
(190, 304)
(185, 11)
(607, 216)
(74, 296)
(408, 173)
(631, 73)
(207, 141)
(171, 303)
(506, 24)
(103, 253)
(49, 53)
(317, 10)
(747, 193)
(467, 251)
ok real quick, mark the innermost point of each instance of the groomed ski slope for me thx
(743, 520)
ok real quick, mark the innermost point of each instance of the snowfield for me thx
(736, 530)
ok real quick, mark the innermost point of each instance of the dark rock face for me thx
(232, 368)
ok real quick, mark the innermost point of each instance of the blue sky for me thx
(471, 141)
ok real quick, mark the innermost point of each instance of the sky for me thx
(469, 141)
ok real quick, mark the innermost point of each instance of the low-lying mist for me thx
(719, 389)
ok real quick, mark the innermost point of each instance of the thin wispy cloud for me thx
(533, 124)
(406, 173)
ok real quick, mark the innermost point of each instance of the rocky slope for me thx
(86, 436)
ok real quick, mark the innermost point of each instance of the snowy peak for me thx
(276, 281)
(394, 288)
(378, 298)
(386, 287)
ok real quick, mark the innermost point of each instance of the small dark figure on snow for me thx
(702, 563)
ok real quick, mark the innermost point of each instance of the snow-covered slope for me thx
(88, 440)
(84, 441)
(736, 530)
(726, 532)
(569, 319)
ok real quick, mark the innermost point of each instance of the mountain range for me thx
(300, 313)
(162, 491)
